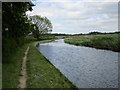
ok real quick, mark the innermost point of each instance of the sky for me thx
(78, 16)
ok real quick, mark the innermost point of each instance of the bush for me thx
(9, 45)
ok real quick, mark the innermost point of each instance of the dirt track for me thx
(23, 74)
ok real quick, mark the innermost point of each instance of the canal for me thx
(85, 67)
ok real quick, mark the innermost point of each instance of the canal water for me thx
(85, 67)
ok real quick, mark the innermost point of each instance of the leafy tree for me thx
(43, 23)
(15, 19)
(15, 25)
(35, 32)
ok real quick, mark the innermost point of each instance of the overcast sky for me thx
(79, 16)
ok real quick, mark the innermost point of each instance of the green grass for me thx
(29, 39)
(0, 75)
(108, 41)
(42, 74)
(46, 37)
(11, 70)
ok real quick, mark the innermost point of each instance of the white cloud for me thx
(79, 16)
(77, 0)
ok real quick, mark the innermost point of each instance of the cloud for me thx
(79, 16)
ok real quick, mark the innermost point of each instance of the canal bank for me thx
(100, 41)
(40, 73)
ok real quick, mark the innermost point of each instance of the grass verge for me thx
(42, 74)
(11, 70)
(108, 41)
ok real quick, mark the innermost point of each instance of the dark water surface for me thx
(85, 67)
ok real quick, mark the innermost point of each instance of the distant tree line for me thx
(102, 33)
(56, 34)
(95, 33)
(90, 33)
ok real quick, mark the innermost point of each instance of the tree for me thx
(15, 26)
(15, 19)
(43, 23)
(35, 32)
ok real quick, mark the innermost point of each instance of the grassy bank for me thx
(11, 70)
(108, 41)
(41, 74)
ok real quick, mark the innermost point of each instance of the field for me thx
(106, 41)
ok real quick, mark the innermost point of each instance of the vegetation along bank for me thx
(40, 72)
(107, 41)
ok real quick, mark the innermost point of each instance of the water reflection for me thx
(85, 67)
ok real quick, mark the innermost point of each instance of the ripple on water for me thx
(85, 67)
